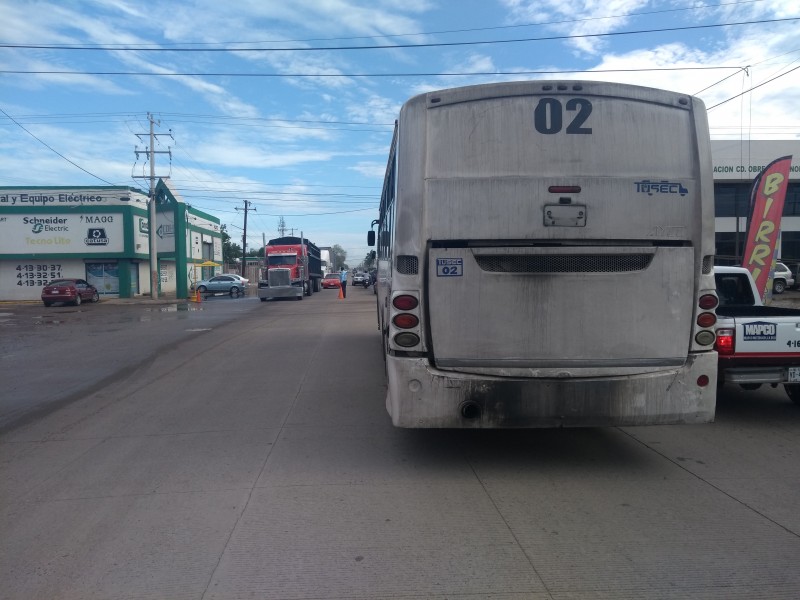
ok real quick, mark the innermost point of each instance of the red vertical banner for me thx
(764, 225)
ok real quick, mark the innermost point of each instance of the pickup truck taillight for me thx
(726, 342)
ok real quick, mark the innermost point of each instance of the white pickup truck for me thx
(756, 344)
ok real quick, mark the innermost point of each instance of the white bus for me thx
(545, 258)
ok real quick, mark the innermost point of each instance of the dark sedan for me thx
(71, 291)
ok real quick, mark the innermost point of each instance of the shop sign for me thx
(58, 234)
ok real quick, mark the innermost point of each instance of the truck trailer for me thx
(292, 269)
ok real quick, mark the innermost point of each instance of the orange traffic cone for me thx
(341, 295)
(197, 296)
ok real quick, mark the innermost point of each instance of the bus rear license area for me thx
(565, 215)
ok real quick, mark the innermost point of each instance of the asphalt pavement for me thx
(244, 451)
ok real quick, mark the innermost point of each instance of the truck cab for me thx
(292, 269)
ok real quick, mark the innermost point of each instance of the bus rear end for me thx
(553, 257)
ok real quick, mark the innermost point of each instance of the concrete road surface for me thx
(256, 460)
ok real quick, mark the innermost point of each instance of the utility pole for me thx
(247, 204)
(151, 227)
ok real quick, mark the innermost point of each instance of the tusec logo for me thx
(660, 187)
(760, 331)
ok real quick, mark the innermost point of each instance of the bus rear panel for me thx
(545, 251)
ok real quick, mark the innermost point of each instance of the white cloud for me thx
(574, 19)
(374, 109)
(374, 170)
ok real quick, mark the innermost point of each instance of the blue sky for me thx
(286, 105)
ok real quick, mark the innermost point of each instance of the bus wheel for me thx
(793, 391)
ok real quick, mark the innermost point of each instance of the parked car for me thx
(783, 278)
(331, 280)
(231, 284)
(360, 279)
(73, 291)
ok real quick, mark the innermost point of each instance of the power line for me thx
(49, 147)
(516, 26)
(439, 32)
(396, 46)
(754, 87)
(341, 75)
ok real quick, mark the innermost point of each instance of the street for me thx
(239, 449)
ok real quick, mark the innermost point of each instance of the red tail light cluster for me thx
(706, 319)
(406, 319)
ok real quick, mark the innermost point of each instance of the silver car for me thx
(231, 284)
(361, 279)
(782, 279)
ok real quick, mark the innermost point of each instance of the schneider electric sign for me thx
(57, 234)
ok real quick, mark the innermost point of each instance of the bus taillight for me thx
(708, 301)
(405, 302)
(406, 339)
(706, 319)
(564, 189)
(405, 321)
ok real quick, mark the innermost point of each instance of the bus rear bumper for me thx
(420, 396)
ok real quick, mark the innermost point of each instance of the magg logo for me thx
(37, 228)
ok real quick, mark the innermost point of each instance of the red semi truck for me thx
(292, 269)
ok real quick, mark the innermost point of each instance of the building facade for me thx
(736, 164)
(101, 234)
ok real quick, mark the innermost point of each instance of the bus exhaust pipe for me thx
(471, 410)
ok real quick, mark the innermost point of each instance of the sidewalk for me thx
(146, 299)
(141, 299)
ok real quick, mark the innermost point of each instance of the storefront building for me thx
(736, 165)
(101, 234)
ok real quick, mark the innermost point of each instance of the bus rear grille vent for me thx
(407, 265)
(565, 263)
(708, 264)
